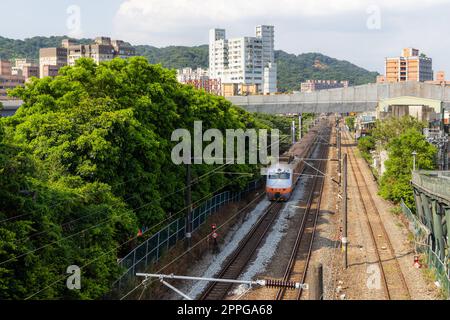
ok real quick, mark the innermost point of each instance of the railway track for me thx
(240, 258)
(297, 267)
(392, 278)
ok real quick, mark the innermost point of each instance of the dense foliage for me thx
(350, 122)
(292, 69)
(85, 162)
(395, 183)
(366, 144)
(400, 137)
(176, 57)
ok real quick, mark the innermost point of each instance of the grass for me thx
(396, 210)
(430, 277)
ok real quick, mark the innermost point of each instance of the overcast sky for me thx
(363, 32)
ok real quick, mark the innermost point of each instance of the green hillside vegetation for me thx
(292, 69)
(86, 162)
(29, 48)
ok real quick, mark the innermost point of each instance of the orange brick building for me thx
(410, 66)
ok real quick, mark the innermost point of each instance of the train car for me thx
(283, 176)
(280, 181)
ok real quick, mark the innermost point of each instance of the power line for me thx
(122, 244)
(195, 245)
(74, 234)
(196, 181)
(62, 202)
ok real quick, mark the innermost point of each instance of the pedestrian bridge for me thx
(343, 100)
(9, 107)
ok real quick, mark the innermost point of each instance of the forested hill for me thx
(292, 69)
(29, 48)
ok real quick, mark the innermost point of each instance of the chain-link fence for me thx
(151, 250)
(423, 244)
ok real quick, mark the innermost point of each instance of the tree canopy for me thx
(401, 137)
(85, 162)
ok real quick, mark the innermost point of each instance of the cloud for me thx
(335, 27)
(168, 15)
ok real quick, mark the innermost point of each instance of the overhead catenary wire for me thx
(144, 282)
(62, 202)
(194, 181)
(198, 179)
(126, 242)
(91, 227)
(194, 246)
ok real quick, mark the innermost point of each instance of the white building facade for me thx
(244, 60)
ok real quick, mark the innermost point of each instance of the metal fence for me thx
(424, 244)
(151, 250)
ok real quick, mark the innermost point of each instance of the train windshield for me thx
(280, 175)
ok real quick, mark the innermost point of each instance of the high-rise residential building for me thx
(315, 85)
(244, 60)
(8, 80)
(267, 35)
(187, 74)
(199, 78)
(103, 49)
(123, 49)
(410, 66)
(26, 68)
(5, 68)
(53, 58)
(218, 53)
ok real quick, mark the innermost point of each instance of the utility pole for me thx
(299, 126)
(344, 209)
(339, 153)
(188, 203)
(293, 132)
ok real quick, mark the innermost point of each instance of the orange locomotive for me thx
(283, 176)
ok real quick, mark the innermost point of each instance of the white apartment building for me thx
(244, 60)
(188, 74)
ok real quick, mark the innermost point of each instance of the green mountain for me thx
(29, 48)
(292, 69)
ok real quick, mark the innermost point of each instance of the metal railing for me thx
(152, 249)
(436, 182)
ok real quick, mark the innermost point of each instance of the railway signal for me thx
(214, 236)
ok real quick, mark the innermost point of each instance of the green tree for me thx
(395, 182)
(350, 122)
(86, 161)
(387, 129)
(366, 145)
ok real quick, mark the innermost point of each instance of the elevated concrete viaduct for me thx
(343, 100)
